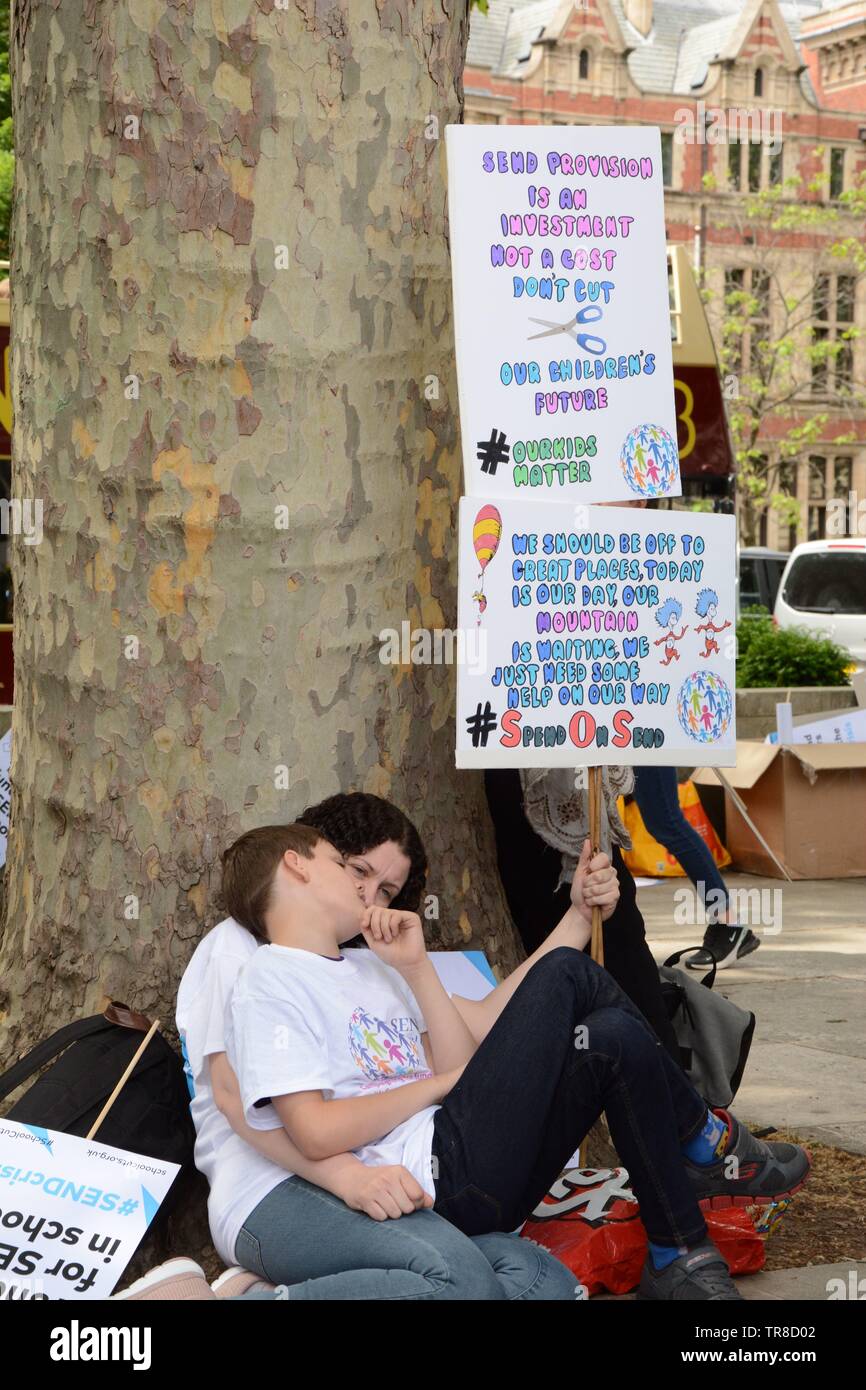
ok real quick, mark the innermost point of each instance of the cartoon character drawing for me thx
(707, 606)
(667, 617)
(479, 598)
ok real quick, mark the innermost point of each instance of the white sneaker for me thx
(235, 1282)
(176, 1279)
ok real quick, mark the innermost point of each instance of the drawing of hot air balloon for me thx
(486, 532)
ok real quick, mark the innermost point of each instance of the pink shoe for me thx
(177, 1279)
(235, 1282)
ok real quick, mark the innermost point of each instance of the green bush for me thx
(749, 618)
(769, 657)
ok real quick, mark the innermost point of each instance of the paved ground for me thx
(806, 984)
(815, 1284)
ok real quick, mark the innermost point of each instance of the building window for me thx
(667, 158)
(828, 478)
(759, 82)
(753, 165)
(817, 513)
(583, 64)
(734, 281)
(787, 486)
(762, 470)
(837, 172)
(747, 300)
(832, 330)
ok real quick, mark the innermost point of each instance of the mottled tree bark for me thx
(231, 295)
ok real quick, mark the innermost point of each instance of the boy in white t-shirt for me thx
(242, 1164)
(364, 1051)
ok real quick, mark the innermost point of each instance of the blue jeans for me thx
(568, 1045)
(655, 791)
(306, 1238)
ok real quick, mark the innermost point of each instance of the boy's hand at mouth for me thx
(595, 884)
(395, 936)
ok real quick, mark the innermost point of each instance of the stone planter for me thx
(756, 709)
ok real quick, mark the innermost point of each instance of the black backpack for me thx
(150, 1115)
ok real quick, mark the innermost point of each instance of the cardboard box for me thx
(831, 726)
(807, 800)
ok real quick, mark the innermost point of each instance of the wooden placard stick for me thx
(123, 1080)
(597, 942)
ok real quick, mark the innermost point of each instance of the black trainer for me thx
(726, 945)
(700, 1274)
(749, 1171)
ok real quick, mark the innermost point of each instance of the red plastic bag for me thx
(590, 1220)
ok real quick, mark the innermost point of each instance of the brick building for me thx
(798, 71)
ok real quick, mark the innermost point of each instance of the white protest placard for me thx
(594, 635)
(72, 1211)
(848, 727)
(561, 312)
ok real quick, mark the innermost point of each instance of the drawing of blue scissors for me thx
(590, 314)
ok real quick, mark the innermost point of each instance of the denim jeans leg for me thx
(655, 791)
(567, 1046)
(309, 1243)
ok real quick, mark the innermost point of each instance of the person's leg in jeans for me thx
(308, 1242)
(567, 1046)
(725, 941)
(530, 870)
(655, 791)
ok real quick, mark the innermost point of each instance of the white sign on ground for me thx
(562, 312)
(72, 1211)
(608, 636)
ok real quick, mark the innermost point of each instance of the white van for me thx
(823, 589)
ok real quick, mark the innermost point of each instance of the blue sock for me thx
(710, 1143)
(664, 1255)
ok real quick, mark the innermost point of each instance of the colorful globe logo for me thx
(705, 706)
(650, 461)
(380, 1049)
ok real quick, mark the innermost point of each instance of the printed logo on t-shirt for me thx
(386, 1052)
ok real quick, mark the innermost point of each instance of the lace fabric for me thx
(558, 810)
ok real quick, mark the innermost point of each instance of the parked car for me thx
(823, 589)
(760, 573)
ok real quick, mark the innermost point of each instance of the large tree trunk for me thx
(231, 295)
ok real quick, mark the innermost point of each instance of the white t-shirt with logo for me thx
(349, 1027)
(239, 1177)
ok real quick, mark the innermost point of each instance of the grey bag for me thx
(714, 1034)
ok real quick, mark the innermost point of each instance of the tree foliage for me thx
(793, 237)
